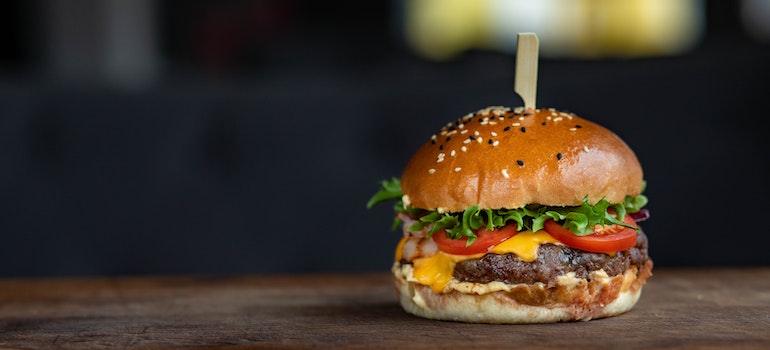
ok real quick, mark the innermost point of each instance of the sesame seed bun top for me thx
(503, 158)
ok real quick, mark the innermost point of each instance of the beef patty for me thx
(552, 261)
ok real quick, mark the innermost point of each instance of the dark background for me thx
(269, 124)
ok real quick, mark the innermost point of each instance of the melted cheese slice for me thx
(524, 244)
(436, 271)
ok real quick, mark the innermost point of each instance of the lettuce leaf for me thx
(579, 219)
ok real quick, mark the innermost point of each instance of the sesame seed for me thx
(494, 133)
(476, 133)
(448, 138)
(472, 137)
(497, 142)
(507, 128)
(544, 123)
(441, 147)
(467, 141)
(464, 131)
(586, 148)
(557, 119)
(480, 140)
(433, 142)
(431, 171)
(578, 126)
(559, 156)
(520, 162)
(516, 124)
(464, 149)
(490, 141)
(505, 173)
(458, 169)
(453, 153)
(523, 129)
(572, 129)
(501, 118)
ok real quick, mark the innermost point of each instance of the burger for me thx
(519, 216)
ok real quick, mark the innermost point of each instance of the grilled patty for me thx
(552, 261)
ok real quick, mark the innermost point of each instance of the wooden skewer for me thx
(527, 47)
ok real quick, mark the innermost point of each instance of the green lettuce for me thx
(579, 219)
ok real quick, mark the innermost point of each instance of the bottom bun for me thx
(572, 299)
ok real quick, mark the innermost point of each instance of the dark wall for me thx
(260, 160)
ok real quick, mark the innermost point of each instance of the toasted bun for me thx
(502, 158)
(579, 300)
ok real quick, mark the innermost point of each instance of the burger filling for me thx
(502, 247)
(552, 261)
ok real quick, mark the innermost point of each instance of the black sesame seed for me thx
(452, 128)
(507, 128)
(433, 142)
(520, 162)
(448, 138)
(472, 137)
(481, 120)
(441, 147)
(544, 123)
(578, 126)
(523, 129)
(490, 141)
(559, 156)
(527, 114)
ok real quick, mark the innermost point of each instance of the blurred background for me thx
(236, 137)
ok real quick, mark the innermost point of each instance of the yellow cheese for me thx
(436, 271)
(524, 244)
(400, 248)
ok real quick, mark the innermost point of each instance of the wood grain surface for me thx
(679, 308)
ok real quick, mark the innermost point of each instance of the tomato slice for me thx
(485, 240)
(605, 239)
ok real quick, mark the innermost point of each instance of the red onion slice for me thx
(641, 215)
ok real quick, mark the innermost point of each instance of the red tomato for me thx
(605, 239)
(485, 240)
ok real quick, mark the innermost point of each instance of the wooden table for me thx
(679, 308)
